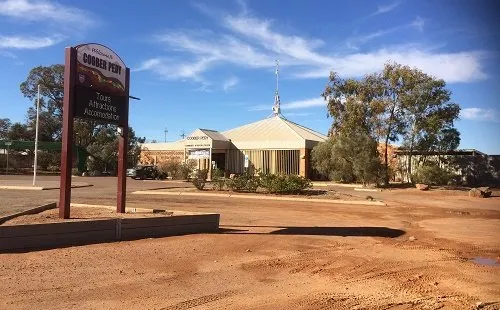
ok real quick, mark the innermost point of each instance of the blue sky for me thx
(210, 64)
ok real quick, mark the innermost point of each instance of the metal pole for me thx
(35, 164)
(7, 170)
(122, 152)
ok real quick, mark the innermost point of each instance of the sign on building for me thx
(245, 164)
(199, 154)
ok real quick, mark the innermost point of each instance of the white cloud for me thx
(386, 8)
(441, 65)
(230, 83)
(18, 42)
(294, 105)
(302, 104)
(479, 114)
(418, 23)
(44, 11)
(298, 48)
(172, 69)
(298, 114)
(251, 42)
(353, 42)
(8, 54)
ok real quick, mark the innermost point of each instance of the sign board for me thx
(198, 141)
(199, 154)
(100, 86)
(96, 87)
(246, 161)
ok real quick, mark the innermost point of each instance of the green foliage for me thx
(100, 140)
(284, 184)
(247, 181)
(432, 174)
(399, 102)
(4, 128)
(349, 157)
(170, 168)
(46, 159)
(186, 168)
(200, 179)
(477, 170)
(218, 180)
(20, 132)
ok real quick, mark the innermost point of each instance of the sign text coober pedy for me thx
(100, 86)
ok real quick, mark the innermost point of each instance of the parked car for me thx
(145, 172)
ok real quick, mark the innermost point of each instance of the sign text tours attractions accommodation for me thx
(100, 86)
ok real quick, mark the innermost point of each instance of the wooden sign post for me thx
(96, 87)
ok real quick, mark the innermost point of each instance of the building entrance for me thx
(220, 160)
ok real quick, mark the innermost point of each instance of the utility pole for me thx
(183, 135)
(165, 131)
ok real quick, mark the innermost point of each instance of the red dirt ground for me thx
(414, 253)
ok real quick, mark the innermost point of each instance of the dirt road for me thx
(414, 253)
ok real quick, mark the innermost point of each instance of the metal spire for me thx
(276, 106)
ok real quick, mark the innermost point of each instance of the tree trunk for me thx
(386, 172)
(409, 166)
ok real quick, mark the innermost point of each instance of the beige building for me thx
(272, 145)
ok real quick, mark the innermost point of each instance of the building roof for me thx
(273, 132)
(273, 128)
(177, 145)
(455, 152)
(214, 134)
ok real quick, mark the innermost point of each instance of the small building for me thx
(272, 145)
(472, 166)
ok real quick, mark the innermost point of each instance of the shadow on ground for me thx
(318, 231)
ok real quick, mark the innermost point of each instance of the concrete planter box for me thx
(54, 235)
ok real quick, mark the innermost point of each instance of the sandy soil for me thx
(83, 214)
(414, 253)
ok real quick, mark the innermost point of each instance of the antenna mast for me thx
(276, 106)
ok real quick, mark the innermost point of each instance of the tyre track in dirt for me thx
(200, 301)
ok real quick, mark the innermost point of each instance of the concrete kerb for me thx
(325, 184)
(40, 188)
(262, 197)
(367, 189)
(62, 234)
(128, 209)
(34, 210)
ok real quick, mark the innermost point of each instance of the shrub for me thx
(432, 174)
(284, 184)
(185, 169)
(237, 183)
(349, 157)
(244, 182)
(218, 179)
(170, 168)
(200, 179)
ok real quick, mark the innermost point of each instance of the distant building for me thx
(272, 145)
(474, 167)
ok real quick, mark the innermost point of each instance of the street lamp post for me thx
(7, 144)
(35, 164)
